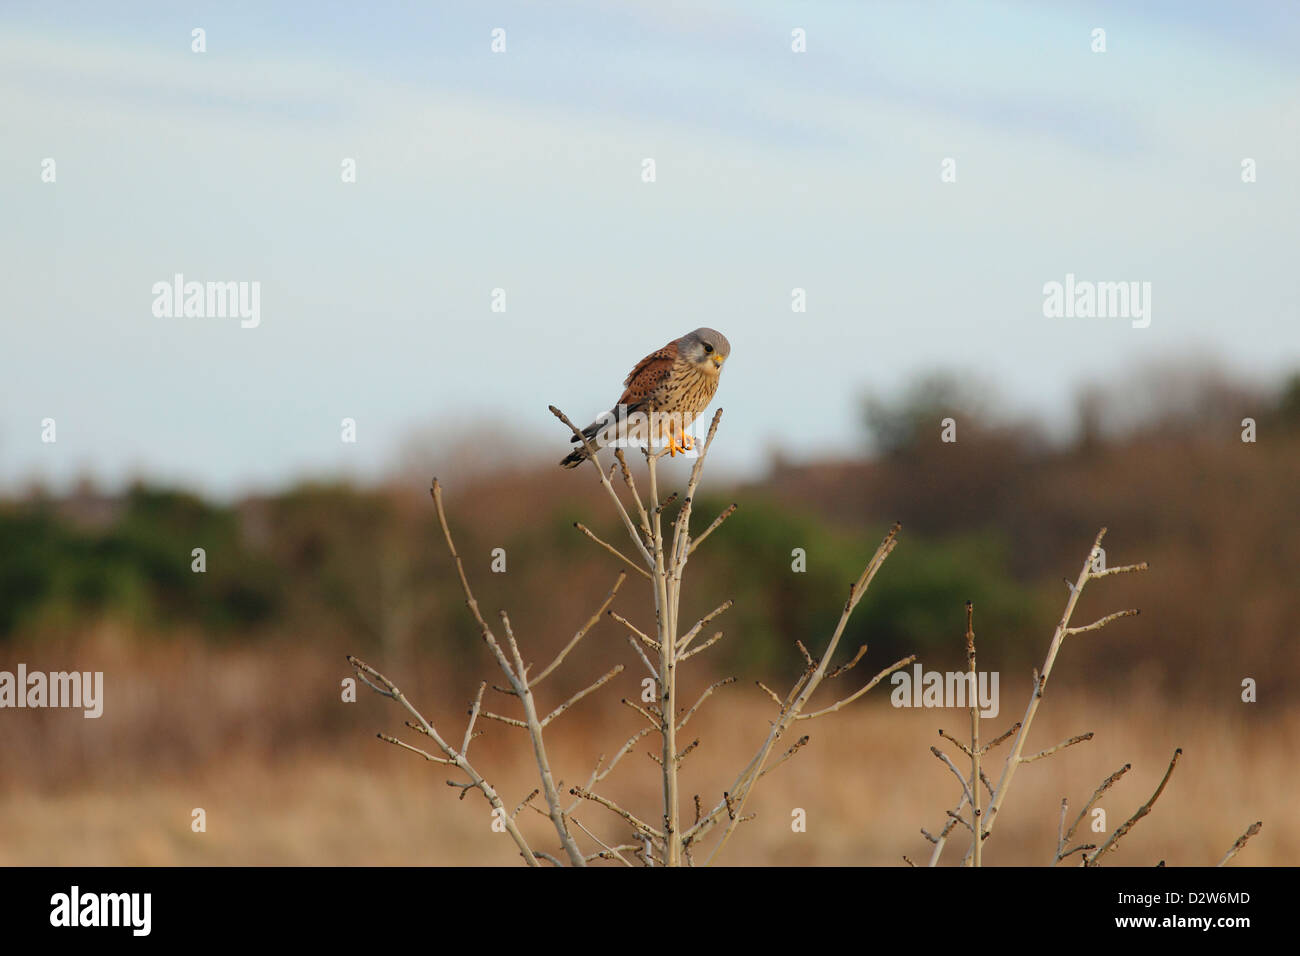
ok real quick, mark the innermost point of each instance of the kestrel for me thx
(662, 395)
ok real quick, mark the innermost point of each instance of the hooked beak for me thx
(717, 360)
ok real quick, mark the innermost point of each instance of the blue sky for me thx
(521, 170)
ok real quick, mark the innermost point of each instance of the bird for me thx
(662, 395)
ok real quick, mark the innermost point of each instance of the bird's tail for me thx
(579, 454)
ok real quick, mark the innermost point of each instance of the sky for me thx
(523, 170)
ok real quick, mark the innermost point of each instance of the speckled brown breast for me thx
(686, 391)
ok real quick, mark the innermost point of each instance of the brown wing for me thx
(648, 374)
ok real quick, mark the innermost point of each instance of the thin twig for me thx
(1102, 622)
(685, 641)
(1142, 811)
(957, 773)
(1142, 566)
(654, 721)
(703, 647)
(1000, 737)
(423, 753)
(1061, 746)
(804, 688)
(604, 480)
(727, 513)
(1097, 795)
(1241, 842)
(612, 550)
(1013, 760)
(960, 746)
(477, 780)
(848, 665)
(866, 687)
(473, 716)
(645, 638)
(611, 805)
(703, 697)
(794, 749)
(582, 631)
(612, 672)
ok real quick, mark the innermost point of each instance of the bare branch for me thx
(604, 480)
(1060, 829)
(686, 639)
(470, 602)
(794, 749)
(941, 840)
(597, 775)
(959, 819)
(703, 647)
(960, 746)
(505, 720)
(608, 852)
(1085, 847)
(1097, 795)
(521, 683)
(999, 738)
(477, 780)
(425, 754)
(1142, 811)
(771, 693)
(807, 658)
(703, 697)
(473, 716)
(582, 631)
(644, 660)
(375, 687)
(1061, 746)
(636, 496)
(726, 513)
(611, 805)
(615, 670)
(866, 687)
(645, 638)
(957, 773)
(804, 688)
(1062, 630)
(1241, 842)
(1102, 622)
(654, 722)
(1124, 570)
(612, 550)
(849, 665)
(526, 801)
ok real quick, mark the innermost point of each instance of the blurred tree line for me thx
(999, 517)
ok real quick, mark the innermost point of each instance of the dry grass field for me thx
(288, 775)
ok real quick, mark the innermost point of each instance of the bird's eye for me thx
(708, 349)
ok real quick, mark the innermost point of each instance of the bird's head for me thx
(705, 348)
